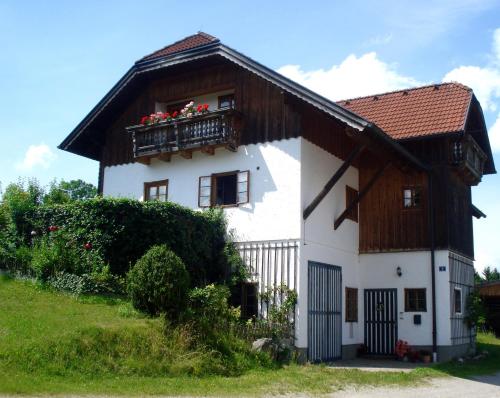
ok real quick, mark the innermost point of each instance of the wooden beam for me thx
(186, 154)
(331, 183)
(360, 195)
(209, 150)
(165, 157)
(146, 160)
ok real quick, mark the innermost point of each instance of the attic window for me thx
(224, 189)
(412, 197)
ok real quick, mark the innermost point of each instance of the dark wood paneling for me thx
(384, 224)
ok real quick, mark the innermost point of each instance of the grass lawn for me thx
(37, 325)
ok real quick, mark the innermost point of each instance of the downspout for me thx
(433, 266)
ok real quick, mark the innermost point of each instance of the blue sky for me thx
(59, 58)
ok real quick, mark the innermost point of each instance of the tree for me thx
(491, 274)
(67, 191)
(78, 189)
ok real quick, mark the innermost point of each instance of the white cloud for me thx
(485, 81)
(353, 77)
(494, 134)
(36, 156)
(379, 40)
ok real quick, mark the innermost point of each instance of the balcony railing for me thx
(469, 159)
(217, 128)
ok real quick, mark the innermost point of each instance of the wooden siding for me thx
(384, 224)
(266, 115)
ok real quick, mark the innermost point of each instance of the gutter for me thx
(433, 265)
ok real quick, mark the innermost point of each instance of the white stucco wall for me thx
(379, 271)
(273, 211)
(320, 242)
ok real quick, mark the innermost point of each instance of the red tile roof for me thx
(416, 112)
(193, 41)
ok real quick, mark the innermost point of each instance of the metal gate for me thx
(381, 321)
(324, 331)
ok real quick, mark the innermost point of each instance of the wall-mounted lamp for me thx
(399, 271)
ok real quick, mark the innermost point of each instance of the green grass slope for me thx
(51, 343)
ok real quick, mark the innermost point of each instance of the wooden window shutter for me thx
(243, 187)
(205, 191)
(351, 304)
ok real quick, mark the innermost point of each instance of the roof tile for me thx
(197, 40)
(416, 112)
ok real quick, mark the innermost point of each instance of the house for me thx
(363, 206)
(490, 294)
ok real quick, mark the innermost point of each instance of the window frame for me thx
(351, 315)
(213, 188)
(455, 290)
(150, 184)
(221, 98)
(417, 189)
(407, 292)
(350, 194)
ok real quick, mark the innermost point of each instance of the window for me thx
(351, 304)
(226, 101)
(224, 189)
(350, 195)
(415, 300)
(156, 190)
(411, 197)
(457, 300)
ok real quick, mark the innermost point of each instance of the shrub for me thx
(159, 282)
(95, 283)
(122, 230)
(208, 308)
(53, 254)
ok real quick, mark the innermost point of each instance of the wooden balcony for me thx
(204, 132)
(469, 159)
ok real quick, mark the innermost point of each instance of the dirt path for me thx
(450, 387)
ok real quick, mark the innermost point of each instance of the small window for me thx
(156, 190)
(415, 300)
(224, 189)
(457, 300)
(412, 197)
(226, 101)
(351, 304)
(351, 195)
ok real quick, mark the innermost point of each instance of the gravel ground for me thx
(450, 387)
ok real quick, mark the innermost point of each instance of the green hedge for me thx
(122, 230)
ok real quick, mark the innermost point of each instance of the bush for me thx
(208, 308)
(122, 230)
(95, 283)
(53, 254)
(159, 282)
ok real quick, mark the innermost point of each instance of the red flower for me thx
(87, 246)
(144, 119)
(175, 114)
(164, 116)
(53, 228)
(205, 107)
(199, 108)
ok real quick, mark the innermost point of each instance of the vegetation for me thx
(103, 346)
(487, 275)
(159, 282)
